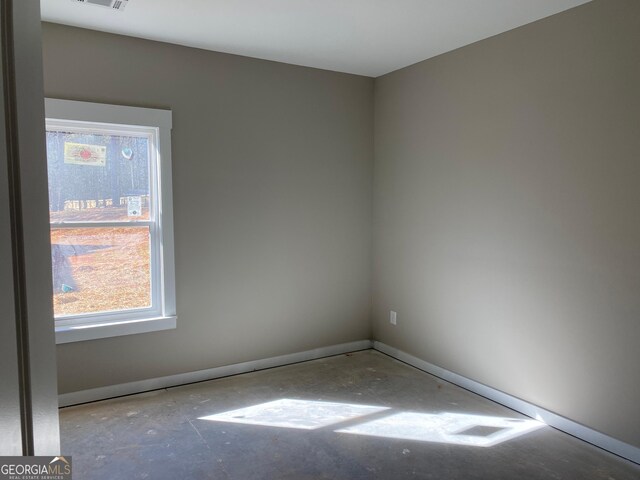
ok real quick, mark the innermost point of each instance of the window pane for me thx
(97, 177)
(100, 269)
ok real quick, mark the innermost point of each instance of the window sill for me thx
(93, 331)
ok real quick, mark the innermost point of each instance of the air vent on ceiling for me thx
(112, 4)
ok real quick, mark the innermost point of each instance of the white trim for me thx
(101, 393)
(92, 331)
(566, 425)
(156, 125)
(165, 221)
(131, 223)
(105, 113)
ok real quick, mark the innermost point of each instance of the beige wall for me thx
(506, 213)
(506, 199)
(272, 169)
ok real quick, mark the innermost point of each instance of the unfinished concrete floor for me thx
(380, 419)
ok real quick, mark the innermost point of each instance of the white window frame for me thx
(156, 124)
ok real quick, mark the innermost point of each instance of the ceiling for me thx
(365, 37)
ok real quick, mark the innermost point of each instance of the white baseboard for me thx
(552, 419)
(102, 393)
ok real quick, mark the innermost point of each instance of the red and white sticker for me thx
(82, 154)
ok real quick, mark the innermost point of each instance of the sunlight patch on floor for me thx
(452, 428)
(289, 413)
(443, 427)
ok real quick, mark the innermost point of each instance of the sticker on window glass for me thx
(81, 154)
(134, 206)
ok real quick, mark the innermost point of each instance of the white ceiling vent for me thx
(112, 4)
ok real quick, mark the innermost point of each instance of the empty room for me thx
(295, 239)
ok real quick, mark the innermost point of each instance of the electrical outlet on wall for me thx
(393, 317)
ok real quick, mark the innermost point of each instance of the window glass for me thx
(100, 269)
(97, 177)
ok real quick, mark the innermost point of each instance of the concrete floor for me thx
(402, 433)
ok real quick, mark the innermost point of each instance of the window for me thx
(111, 219)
